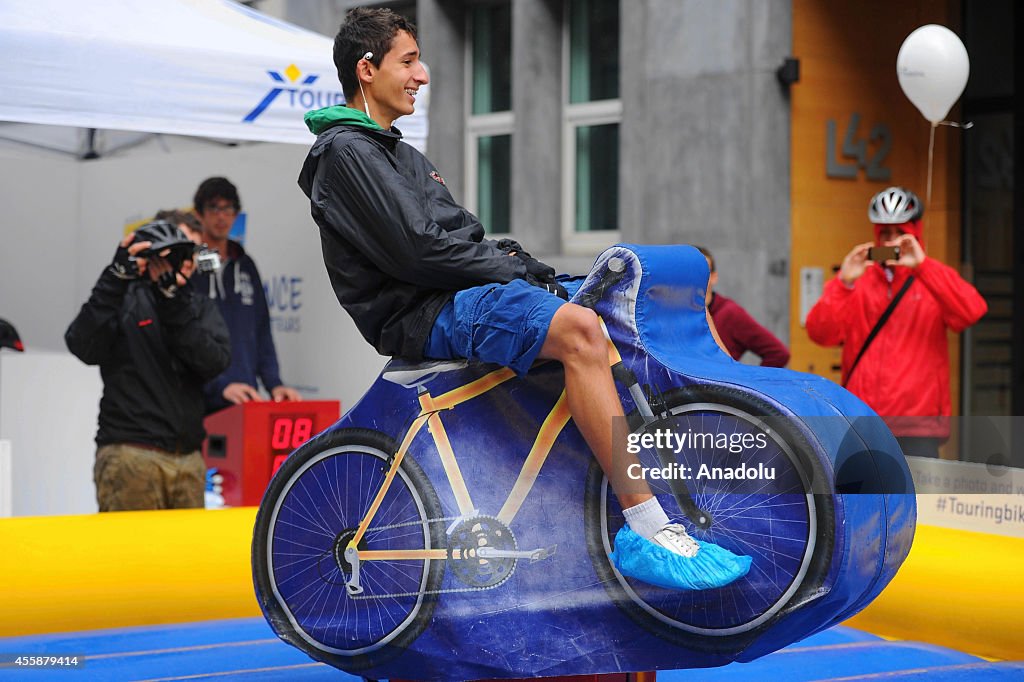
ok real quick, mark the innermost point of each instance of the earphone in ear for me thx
(366, 107)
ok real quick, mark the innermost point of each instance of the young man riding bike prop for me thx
(413, 270)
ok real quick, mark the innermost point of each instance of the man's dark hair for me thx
(365, 30)
(176, 217)
(707, 254)
(215, 188)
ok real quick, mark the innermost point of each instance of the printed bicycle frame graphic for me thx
(482, 551)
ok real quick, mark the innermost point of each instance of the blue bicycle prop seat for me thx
(454, 524)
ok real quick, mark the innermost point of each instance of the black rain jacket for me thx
(396, 244)
(154, 355)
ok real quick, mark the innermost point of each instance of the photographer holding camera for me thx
(889, 307)
(156, 344)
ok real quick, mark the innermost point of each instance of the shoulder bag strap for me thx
(878, 326)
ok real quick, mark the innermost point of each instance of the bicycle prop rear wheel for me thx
(780, 522)
(310, 512)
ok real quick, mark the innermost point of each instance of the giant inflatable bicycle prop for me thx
(453, 524)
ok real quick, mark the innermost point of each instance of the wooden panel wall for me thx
(847, 52)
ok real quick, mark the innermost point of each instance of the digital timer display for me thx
(248, 442)
(287, 433)
(290, 431)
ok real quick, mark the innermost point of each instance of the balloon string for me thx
(931, 149)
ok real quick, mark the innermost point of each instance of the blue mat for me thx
(246, 649)
(229, 649)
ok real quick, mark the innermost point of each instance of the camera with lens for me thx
(171, 244)
(207, 259)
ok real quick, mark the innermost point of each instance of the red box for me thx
(247, 443)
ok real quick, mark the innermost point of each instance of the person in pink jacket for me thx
(903, 374)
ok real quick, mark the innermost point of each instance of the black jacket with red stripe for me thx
(154, 355)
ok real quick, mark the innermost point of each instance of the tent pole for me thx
(90, 151)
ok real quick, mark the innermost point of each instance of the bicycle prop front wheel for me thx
(785, 527)
(309, 514)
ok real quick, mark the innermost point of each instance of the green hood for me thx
(320, 120)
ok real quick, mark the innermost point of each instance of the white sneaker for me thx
(675, 539)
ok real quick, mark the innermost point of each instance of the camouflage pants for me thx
(129, 477)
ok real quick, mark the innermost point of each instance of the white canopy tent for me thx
(209, 68)
(86, 78)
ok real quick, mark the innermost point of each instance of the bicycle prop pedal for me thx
(352, 585)
(542, 553)
(532, 555)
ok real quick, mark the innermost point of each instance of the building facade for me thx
(571, 125)
(574, 124)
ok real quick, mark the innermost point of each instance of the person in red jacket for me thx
(904, 373)
(739, 331)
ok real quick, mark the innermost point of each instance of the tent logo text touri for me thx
(298, 97)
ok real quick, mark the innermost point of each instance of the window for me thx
(597, 178)
(593, 50)
(490, 120)
(592, 112)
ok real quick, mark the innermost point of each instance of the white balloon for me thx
(932, 67)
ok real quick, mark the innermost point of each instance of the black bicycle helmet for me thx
(9, 336)
(165, 235)
(894, 206)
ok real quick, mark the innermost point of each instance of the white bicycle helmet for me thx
(894, 206)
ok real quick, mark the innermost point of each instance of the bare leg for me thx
(575, 339)
(668, 557)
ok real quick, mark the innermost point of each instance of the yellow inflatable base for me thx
(958, 589)
(67, 573)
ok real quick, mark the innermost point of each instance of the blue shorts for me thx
(505, 324)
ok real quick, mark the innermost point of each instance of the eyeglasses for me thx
(223, 208)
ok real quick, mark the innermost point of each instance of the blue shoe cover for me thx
(643, 560)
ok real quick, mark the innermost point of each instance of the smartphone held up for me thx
(883, 254)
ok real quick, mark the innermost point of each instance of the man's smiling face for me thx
(396, 83)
